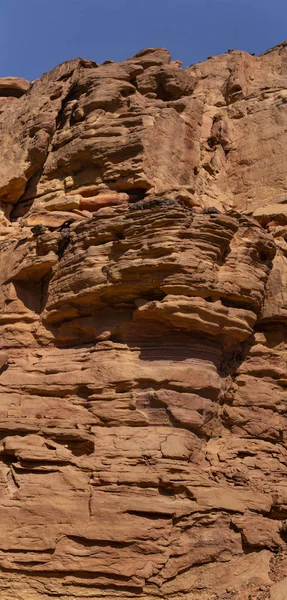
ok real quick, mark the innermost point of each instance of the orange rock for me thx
(143, 311)
(102, 200)
(13, 86)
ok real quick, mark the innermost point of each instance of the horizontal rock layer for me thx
(143, 311)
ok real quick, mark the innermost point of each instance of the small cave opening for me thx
(136, 194)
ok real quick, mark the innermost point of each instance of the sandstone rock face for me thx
(143, 312)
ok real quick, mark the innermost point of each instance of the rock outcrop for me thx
(143, 312)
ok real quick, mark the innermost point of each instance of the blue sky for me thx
(36, 35)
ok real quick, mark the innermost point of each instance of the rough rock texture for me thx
(143, 312)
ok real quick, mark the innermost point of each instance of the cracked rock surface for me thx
(143, 316)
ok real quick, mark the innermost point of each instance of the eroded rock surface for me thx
(143, 312)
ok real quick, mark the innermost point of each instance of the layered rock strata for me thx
(143, 311)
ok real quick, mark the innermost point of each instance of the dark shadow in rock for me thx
(29, 293)
(26, 201)
(4, 368)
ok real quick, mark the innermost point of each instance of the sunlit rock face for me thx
(143, 314)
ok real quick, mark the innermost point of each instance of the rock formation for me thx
(143, 311)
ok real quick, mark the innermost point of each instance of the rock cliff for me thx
(143, 312)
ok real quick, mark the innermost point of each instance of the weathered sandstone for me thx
(143, 313)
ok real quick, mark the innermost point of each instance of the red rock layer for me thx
(143, 362)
